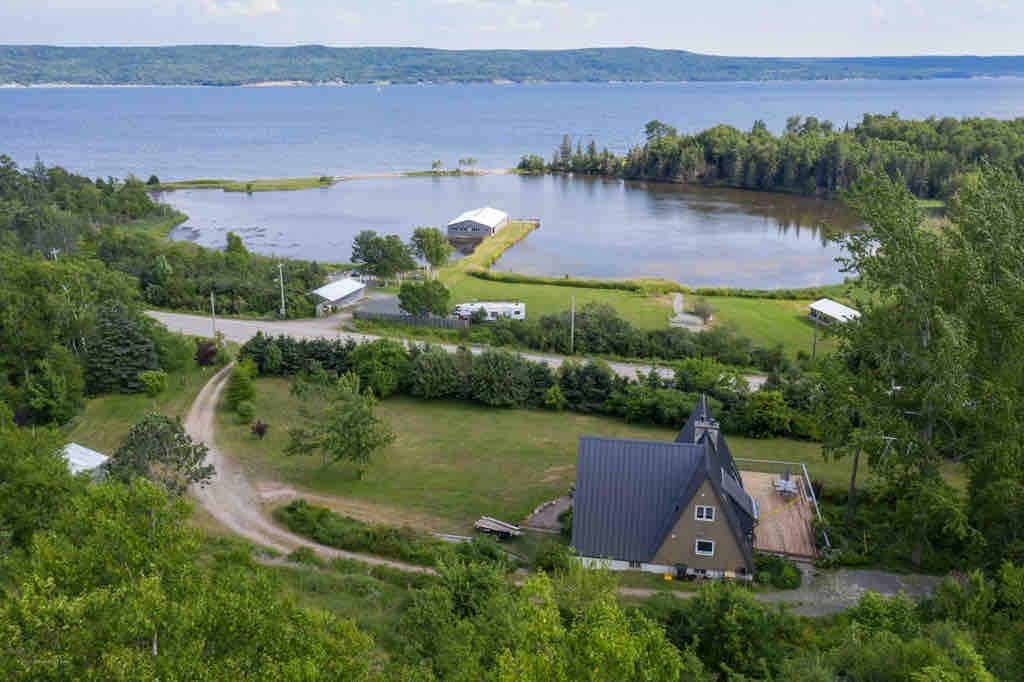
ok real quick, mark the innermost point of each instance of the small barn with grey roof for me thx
(664, 507)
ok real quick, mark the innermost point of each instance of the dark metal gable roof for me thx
(629, 492)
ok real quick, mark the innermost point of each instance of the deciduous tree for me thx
(158, 449)
(342, 425)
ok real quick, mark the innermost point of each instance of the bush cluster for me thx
(499, 378)
(777, 571)
(334, 530)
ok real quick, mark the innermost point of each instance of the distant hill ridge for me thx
(241, 65)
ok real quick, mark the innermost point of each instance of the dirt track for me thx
(235, 502)
(232, 500)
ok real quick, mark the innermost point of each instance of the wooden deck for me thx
(784, 524)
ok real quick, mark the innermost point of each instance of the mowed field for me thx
(106, 419)
(455, 461)
(769, 322)
(644, 311)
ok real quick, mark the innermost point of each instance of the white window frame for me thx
(698, 552)
(700, 513)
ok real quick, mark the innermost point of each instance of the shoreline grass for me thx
(158, 226)
(258, 185)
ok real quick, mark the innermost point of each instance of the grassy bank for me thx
(105, 421)
(769, 322)
(488, 251)
(158, 226)
(264, 185)
(456, 462)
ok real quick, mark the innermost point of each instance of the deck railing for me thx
(807, 483)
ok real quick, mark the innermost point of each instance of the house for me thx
(80, 458)
(478, 223)
(492, 310)
(673, 508)
(338, 294)
(826, 311)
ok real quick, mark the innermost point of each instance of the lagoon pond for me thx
(590, 227)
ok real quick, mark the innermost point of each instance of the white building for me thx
(338, 294)
(81, 458)
(492, 310)
(480, 222)
(827, 311)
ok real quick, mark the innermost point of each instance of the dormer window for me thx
(704, 513)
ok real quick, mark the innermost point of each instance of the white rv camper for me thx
(492, 310)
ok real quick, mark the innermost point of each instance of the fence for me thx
(398, 318)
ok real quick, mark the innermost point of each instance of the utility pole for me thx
(572, 324)
(213, 314)
(280, 272)
(814, 341)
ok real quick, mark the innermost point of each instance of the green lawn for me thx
(768, 322)
(106, 419)
(456, 462)
(644, 311)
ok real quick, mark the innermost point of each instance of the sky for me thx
(726, 27)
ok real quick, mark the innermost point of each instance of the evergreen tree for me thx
(240, 387)
(118, 352)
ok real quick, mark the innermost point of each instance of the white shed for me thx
(827, 311)
(338, 294)
(81, 458)
(480, 222)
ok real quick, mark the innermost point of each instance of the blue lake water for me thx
(181, 133)
(590, 227)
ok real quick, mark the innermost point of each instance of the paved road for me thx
(243, 330)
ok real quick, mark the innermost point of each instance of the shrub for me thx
(240, 387)
(245, 411)
(553, 557)
(382, 365)
(305, 555)
(500, 379)
(703, 309)
(554, 399)
(154, 381)
(777, 571)
(206, 352)
(334, 530)
(259, 429)
(434, 374)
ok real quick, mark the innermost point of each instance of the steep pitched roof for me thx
(631, 493)
(739, 507)
(627, 493)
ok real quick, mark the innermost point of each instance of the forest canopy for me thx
(239, 64)
(810, 156)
